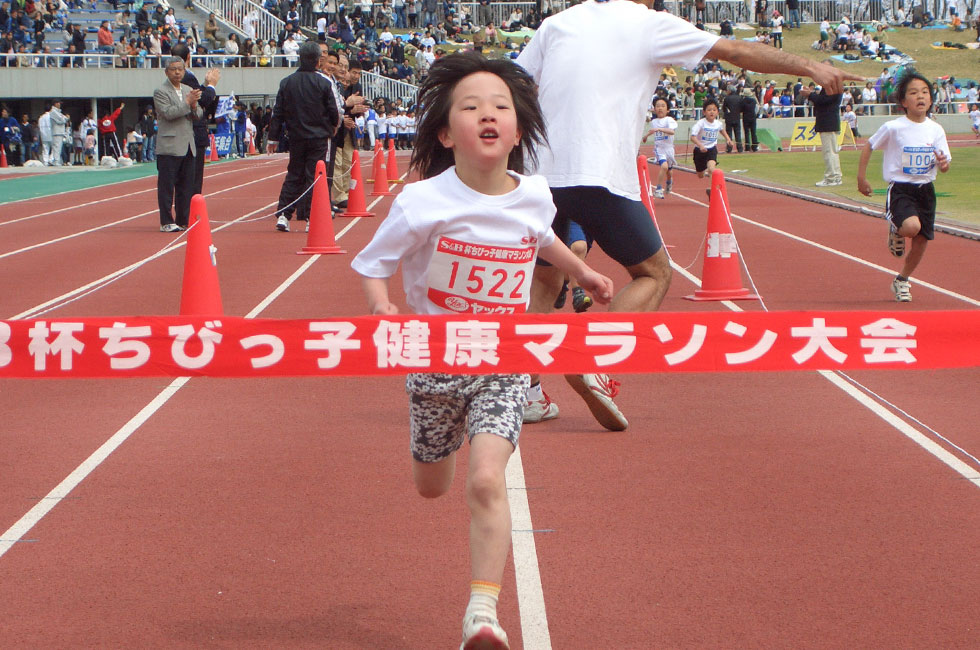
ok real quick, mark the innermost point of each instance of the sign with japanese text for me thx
(141, 346)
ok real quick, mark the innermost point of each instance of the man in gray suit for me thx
(177, 108)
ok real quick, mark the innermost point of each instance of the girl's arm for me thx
(595, 283)
(376, 291)
(942, 161)
(864, 187)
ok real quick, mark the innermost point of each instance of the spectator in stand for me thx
(211, 32)
(104, 38)
(793, 7)
(290, 48)
(231, 49)
(121, 50)
(777, 29)
(869, 96)
(107, 129)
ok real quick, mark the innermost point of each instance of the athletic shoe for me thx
(598, 392)
(580, 300)
(481, 632)
(826, 183)
(560, 300)
(658, 193)
(668, 187)
(902, 290)
(282, 224)
(896, 243)
(307, 225)
(170, 227)
(540, 410)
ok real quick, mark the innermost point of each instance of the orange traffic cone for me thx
(381, 181)
(321, 237)
(201, 294)
(376, 161)
(721, 277)
(251, 147)
(646, 192)
(3, 158)
(393, 164)
(356, 203)
(213, 157)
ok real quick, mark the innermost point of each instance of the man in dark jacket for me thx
(208, 103)
(306, 106)
(749, 112)
(732, 108)
(826, 122)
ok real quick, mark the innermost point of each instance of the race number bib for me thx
(918, 160)
(709, 136)
(479, 279)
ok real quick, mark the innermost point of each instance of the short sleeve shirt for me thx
(909, 150)
(707, 132)
(594, 97)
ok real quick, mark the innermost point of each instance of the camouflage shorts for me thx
(444, 407)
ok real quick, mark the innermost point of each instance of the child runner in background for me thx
(852, 119)
(914, 148)
(704, 135)
(662, 128)
(975, 117)
(480, 118)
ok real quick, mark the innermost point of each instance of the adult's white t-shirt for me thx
(462, 251)
(597, 66)
(909, 150)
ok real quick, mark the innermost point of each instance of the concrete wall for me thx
(867, 124)
(96, 83)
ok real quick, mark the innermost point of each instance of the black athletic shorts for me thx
(906, 200)
(701, 158)
(622, 227)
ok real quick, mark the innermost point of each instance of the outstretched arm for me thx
(864, 187)
(759, 58)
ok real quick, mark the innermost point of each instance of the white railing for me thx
(374, 86)
(203, 61)
(234, 12)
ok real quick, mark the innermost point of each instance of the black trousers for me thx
(175, 187)
(300, 172)
(199, 161)
(734, 131)
(751, 138)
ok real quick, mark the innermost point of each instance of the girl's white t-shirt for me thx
(382, 124)
(707, 132)
(595, 103)
(462, 251)
(975, 116)
(663, 143)
(910, 150)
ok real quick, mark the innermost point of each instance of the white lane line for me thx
(834, 251)
(530, 593)
(921, 439)
(116, 223)
(108, 198)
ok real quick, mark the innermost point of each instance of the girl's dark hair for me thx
(707, 103)
(435, 98)
(903, 85)
(661, 99)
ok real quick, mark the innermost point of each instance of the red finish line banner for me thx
(174, 346)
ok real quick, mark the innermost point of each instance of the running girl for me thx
(914, 148)
(704, 135)
(478, 121)
(975, 117)
(662, 128)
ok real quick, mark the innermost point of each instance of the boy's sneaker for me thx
(598, 392)
(668, 187)
(581, 301)
(540, 410)
(560, 300)
(896, 243)
(902, 290)
(481, 632)
(658, 193)
(282, 224)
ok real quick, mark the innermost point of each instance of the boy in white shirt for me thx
(662, 128)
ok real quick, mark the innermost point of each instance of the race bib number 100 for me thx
(480, 279)
(918, 160)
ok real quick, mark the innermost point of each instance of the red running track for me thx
(739, 510)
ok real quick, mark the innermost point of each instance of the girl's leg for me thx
(661, 174)
(486, 495)
(910, 228)
(434, 479)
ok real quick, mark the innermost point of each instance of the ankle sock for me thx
(483, 598)
(534, 393)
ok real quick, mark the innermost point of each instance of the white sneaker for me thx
(282, 224)
(826, 183)
(170, 227)
(481, 632)
(902, 290)
(307, 225)
(598, 392)
(540, 410)
(658, 193)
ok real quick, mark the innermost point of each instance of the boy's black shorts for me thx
(906, 200)
(622, 227)
(701, 158)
